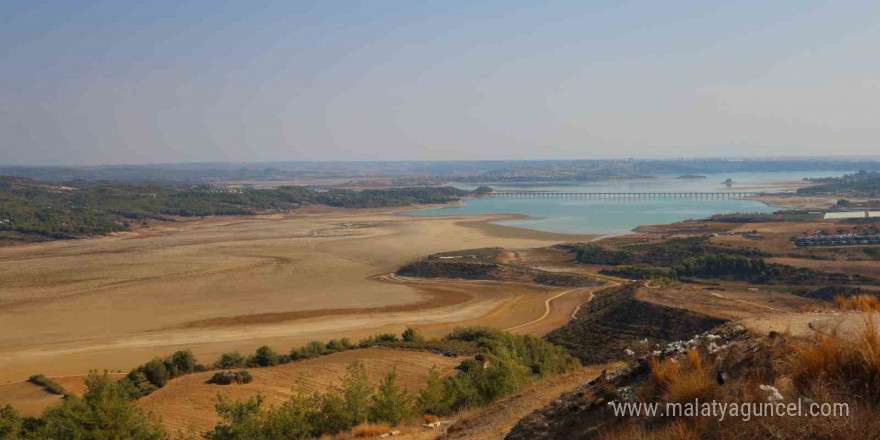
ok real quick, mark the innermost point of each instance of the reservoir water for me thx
(620, 216)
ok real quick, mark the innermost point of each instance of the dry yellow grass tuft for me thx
(862, 303)
(675, 431)
(685, 380)
(847, 364)
(370, 430)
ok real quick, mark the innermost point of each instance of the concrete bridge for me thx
(714, 195)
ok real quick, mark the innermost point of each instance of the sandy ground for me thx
(27, 398)
(187, 404)
(225, 284)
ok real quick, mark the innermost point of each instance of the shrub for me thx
(230, 360)
(48, 384)
(222, 378)
(380, 339)
(184, 362)
(412, 335)
(316, 348)
(265, 356)
(156, 372)
(244, 376)
(228, 377)
(136, 385)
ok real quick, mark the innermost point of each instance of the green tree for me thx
(432, 398)
(103, 413)
(230, 360)
(184, 361)
(10, 423)
(156, 372)
(357, 392)
(391, 403)
(264, 357)
(239, 420)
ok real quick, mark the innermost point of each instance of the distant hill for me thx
(861, 184)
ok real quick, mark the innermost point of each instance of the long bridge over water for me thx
(713, 195)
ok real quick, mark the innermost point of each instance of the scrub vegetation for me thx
(34, 210)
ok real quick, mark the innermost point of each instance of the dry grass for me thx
(685, 380)
(676, 431)
(849, 365)
(862, 303)
(370, 430)
(835, 368)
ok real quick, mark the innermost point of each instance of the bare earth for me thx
(236, 283)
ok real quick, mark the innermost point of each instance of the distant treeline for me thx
(861, 184)
(666, 253)
(761, 217)
(34, 210)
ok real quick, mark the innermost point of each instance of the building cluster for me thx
(215, 188)
(837, 240)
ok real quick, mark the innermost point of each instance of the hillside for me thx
(861, 184)
(615, 320)
(187, 403)
(732, 365)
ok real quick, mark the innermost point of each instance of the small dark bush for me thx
(412, 335)
(228, 377)
(48, 384)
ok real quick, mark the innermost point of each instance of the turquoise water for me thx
(614, 217)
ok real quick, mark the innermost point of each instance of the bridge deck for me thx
(650, 194)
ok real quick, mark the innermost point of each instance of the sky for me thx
(118, 82)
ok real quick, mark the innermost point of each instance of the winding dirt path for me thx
(546, 309)
(718, 295)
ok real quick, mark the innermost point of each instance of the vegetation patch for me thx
(860, 184)
(760, 217)
(34, 210)
(48, 384)
(695, 257)
(229, 377)
(504, 364)
(461, 265)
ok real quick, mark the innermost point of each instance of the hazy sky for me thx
(109, 82)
